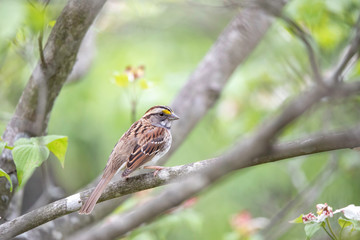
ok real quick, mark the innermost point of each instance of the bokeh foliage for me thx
(170, 38)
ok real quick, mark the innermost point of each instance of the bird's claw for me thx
(157, 169)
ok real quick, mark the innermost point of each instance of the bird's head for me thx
(160, 116)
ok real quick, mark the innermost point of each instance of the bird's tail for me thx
(89, 204)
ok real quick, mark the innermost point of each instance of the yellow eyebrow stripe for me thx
(167, 112)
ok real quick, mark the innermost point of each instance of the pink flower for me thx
(246, 225)
(190, 202)
(310, 217)
(135, 73)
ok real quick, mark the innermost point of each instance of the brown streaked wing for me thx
(148, 145)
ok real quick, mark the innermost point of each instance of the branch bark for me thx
(33, 110)
(310, 145)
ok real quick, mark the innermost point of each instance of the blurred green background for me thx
(170, 38)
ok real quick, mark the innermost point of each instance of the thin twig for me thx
(350, 51)
(41, 52)
(41, 36)
(306, 39)
(31, 4)
(46, 3)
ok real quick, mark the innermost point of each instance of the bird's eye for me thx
(162, 114)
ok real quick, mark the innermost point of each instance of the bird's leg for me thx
(157, 169)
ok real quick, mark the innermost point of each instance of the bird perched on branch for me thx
(143, 144)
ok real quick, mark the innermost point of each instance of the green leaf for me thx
(2, 146)
(23, 141)
(298, 219)
(35, 17)
(28, 155)
(311, 229)
(344, 222)
(57, 145)
(4, 174)
(354, 223)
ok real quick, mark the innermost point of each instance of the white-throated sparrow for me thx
(145, 142)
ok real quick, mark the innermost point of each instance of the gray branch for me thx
(350, 51)
(238, 157)
(309, 145)
(33, 110)
(307, 40)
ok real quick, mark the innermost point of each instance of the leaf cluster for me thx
(30, 153)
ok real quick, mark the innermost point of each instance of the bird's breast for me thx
(162, 152)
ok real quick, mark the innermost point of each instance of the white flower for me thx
(350, 212)
(324, 211)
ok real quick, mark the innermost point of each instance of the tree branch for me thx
(350, 51)
(305, 146)
(306, 39)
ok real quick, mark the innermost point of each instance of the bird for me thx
(142, 145)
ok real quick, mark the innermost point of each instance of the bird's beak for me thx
(173, 116)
